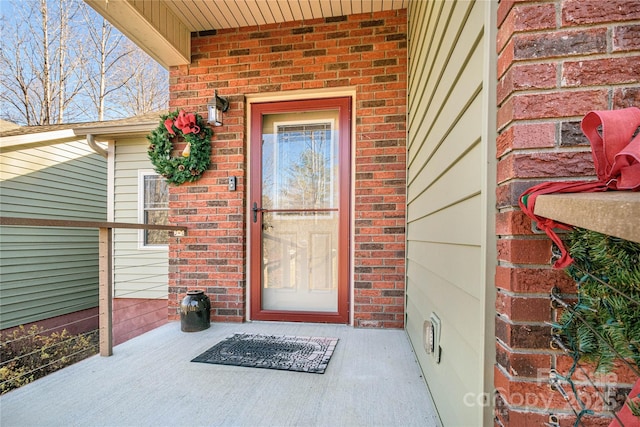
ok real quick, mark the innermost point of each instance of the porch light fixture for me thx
(216, 107)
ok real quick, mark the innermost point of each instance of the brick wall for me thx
(557, 61)
(135, 316)
(366, 52)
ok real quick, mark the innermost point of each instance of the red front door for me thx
(299, 210)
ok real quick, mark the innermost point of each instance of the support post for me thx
(105, 292)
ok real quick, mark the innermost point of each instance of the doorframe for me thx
(299, 95)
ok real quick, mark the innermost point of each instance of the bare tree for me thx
(60, 61)
(104, 50)
(36, 76)
(148, 88)
(46, 65)
(308, 176)
(15, 94)
(63, 59)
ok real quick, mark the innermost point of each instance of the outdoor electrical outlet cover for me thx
(427, 336)
(437, 329)
(431, 330)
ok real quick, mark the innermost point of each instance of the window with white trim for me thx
(153, 208)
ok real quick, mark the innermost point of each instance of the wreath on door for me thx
(194, 159)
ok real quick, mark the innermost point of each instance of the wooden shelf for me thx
(616, 213)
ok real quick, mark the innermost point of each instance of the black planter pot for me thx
(195, 310)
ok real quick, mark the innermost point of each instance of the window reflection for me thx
(156, 209)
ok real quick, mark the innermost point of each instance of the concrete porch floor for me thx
(372, 379)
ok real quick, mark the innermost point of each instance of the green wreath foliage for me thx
(194, 160)
(604, 324)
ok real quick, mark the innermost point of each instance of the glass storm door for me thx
(299, 210)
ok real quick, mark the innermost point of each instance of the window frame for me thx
(142, 174)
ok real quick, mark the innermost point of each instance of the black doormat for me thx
(303, 354)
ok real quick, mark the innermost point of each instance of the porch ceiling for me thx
(201, 15)
(162, 27)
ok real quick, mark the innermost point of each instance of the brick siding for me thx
(366, 52)
(557, 61)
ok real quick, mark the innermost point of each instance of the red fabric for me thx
(185, 122)
(625, 415)
(616, 157)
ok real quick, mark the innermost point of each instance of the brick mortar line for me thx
(507, 264)
(533, 351)
(521, 323)
(560, 28)
(548, 150)
(562, 59)
(524, 295)
(546, 179)
(541, 120)
(536, 237)
(561, 90)
(565, 89)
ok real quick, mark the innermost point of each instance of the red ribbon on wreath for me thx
(616, 157)
(185, 122)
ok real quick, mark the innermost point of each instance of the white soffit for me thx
(202, 15)
(162, 27)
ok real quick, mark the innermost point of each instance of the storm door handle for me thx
(255, 210)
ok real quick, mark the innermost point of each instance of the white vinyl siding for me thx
(450, 248)
(139, 272)
(48, 272)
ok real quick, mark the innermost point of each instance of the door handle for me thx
(255, 210)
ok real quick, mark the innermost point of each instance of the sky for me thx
(21, 26)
